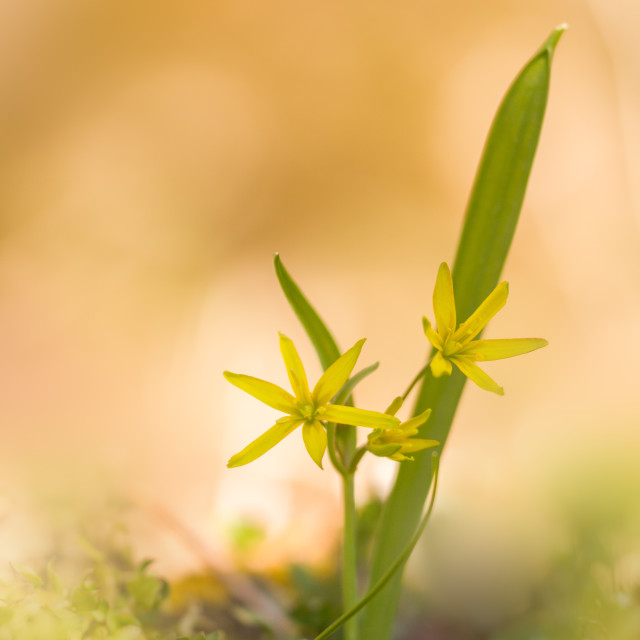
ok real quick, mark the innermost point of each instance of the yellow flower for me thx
(457, 344)
(306, 408)
(395, 443)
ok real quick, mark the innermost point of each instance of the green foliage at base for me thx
(114, 600)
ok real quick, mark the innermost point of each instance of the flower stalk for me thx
(349, 555)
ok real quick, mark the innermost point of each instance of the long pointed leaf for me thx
(321, 338)
(490, 222)
(351, 383)
(316, 329)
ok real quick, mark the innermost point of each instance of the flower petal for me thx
(440, 366)
(336, 375)
(295, 370)
(417, 444)
(416, 421)
(383, 450)
(412, 446)
(481, 350)
(433, 337)
(474, 324)
(398, 457)
(477, 375)
(265, 442)
(444, 304)
(266, 392)
(358, 417)
(315, 440)
(388, 436)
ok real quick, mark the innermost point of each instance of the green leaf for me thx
(491, 218)
(29, 574)
(145, 564)
(394, 567)
(147, 591)
(54, 579)
(321, 338)
(501, 181)
(90, 550)
(351, 383)
(84, 600)
(317, 331)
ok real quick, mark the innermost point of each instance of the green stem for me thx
(397, 564)
(349, 558)
(418, 377)
(357, 456)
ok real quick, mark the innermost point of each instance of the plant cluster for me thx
(115, 599)
(327, 414)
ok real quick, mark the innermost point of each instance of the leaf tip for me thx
(551, 42)
(359, 344)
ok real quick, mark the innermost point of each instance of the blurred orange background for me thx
(154, 158)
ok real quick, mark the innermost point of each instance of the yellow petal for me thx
(433, 337)
(336, 375)
(444, 304)
(295, 370)
(388, 436)
(266, 392)
(398, 457)
(416, 444)
(383, 450)
(477, 375)
(440, 366)
(315, 440)
(476, 322)
(481, 350)
(358, 417)
(265, 442)
(415, 422)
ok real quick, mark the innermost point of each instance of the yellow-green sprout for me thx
(396, 443)
(306, 408)
(456, 344)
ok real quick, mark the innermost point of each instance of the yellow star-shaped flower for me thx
(306, 408)
(456, 344)
(396, 443)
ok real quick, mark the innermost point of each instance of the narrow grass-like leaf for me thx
(402, 558)
(29, 574)
(351, 383)
(342, 439)
(316, 329)
(321, 338)
(491, 218)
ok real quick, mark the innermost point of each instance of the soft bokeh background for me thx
(155, 156)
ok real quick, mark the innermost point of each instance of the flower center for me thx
(450, 347)
(307, 412)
